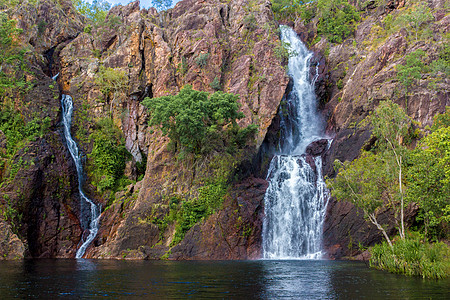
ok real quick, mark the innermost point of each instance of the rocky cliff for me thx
(211, 45)
(358, 74)
(196, 43)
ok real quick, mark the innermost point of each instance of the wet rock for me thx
(317, 148)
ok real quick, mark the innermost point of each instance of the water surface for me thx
(265, 279)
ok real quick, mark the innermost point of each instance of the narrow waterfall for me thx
(295, 200)
(90, 212)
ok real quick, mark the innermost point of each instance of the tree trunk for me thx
(373, 219)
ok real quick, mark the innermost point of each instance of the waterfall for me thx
(295, 200)
(90, 212)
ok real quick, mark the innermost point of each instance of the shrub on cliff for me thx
(11, 59)
(195, 121)
(108, 155)
(337, 19)
(95, 11)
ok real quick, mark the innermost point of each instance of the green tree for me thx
(108, 155)
(416, 16)
(411, 70)
(111, 81)
(194, 119)
(95, 11)
(428, 177)
(364, 182)
(390, 126)
(376, 180)
(337, 19)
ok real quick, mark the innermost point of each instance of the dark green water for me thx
(88, 279)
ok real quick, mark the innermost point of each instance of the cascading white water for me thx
(295, 200)
(90, 214)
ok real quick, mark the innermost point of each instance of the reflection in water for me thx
(92, 279)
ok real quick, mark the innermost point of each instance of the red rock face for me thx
(161, 53)
(366, 68)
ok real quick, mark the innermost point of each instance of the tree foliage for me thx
(412, 69)
(195, 120)
(428, 178)
(95, 11)
(108, 155)
(376, 180)
(11, 58)
(337, 19)
(366, 183)
(415, 17)
(111, 80)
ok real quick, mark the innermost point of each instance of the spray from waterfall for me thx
(90, 212)
(296, 198)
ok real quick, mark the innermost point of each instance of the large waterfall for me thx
(90, 212)
(295, 200)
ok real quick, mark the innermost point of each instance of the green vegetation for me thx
(185, 213)
(283, 52)
(291, 9)
(413, 256)
(336, 18)
(95, 11)
(111, 81)
(108, 156)
(415, 17)
(11, 60)
(215, 84)
(411, 70)
(428, 178)
(195, 121)
(375, 180)
(392, 175)
(202, 60)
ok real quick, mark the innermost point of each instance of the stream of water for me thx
(296, 198)
(90, 212)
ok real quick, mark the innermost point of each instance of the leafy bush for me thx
(108, 155)
(428, 178)
(95, 11)
(195, 120)
(215, 84)
(412, 69)
(337, 19)
(284, 51)
(202, 60)
(11, 59)
(290, 9)
(412, 256)
(16, 131)
(111, 81)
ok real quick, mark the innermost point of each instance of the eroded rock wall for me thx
(359, 73)
(160, 53)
